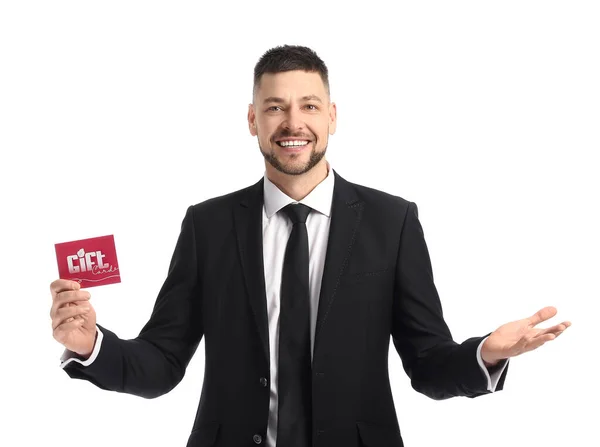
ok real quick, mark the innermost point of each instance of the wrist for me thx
(86, 353)
(489, 364)
(488, 360)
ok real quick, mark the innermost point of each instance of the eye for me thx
(312, 105)
(273, 107)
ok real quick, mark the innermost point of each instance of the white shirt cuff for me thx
(70, 356)
(492, 381)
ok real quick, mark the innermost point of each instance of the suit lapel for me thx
(346, 213)
(248, 226)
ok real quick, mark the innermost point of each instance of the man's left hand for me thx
(517, 337)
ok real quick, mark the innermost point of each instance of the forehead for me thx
(291, 84)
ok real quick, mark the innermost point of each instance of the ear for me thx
(252, 120)
(332, 118)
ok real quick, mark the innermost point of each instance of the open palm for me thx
(517, 337)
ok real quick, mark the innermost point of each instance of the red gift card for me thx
(91, 262)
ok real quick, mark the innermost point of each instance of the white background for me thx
(115, 116)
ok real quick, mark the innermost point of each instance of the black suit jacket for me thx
(377, 282)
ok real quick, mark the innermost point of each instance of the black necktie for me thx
(294, 424)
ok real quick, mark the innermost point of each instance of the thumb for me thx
(542, 315)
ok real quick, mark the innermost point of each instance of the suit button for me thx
(257, 439)
(263, 381)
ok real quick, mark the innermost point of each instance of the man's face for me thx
(293, 118)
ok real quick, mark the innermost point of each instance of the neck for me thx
(298, 186)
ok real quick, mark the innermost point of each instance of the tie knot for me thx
(297, 212)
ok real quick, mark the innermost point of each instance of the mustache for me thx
(290, 135)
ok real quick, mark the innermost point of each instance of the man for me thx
(297, 283)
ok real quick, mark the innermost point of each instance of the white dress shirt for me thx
(276, 232)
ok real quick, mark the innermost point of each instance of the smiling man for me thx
(297, 283)
(293, 117)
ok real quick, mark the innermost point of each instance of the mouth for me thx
(293, 145)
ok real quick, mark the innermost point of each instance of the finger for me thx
(61, 331)
(69, 314)
(542, 315)
(556, 329)
(538, 341)
(82, 317)
(63, 284)
(560, 332)
(72, 295)
(64, 298)
(551, 330)
(556, 334)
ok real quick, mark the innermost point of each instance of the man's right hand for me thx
(73, 317)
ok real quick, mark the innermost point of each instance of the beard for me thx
(292, 167)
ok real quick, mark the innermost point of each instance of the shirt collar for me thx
(319, 198)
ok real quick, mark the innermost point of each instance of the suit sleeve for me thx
(493, 374)
(438, 367)
(154, 362)
(70, 356)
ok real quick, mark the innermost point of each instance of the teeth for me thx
(292, 143)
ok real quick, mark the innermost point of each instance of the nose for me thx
(293, 120)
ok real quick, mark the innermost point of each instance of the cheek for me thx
(321, 131)
(321, 125)
(267, 130)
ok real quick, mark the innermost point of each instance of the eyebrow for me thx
(275, 99)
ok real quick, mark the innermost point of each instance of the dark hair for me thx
(287, 58)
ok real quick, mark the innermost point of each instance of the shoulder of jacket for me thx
(373, 195)
(220, 204)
